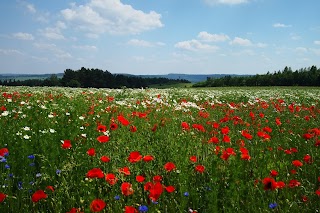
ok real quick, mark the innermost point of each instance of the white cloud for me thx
(261, 45)
(205, 36)
(52, 33)
(317, 42)
(56, 51)
(10, 52)
(31, 8)
(229, 2)
(143, 43)
(111, 16)
(23, 36)
(194, 45)
(315, 51)
(85, 47)
(241, 42)
(301, 50)
(279, 25)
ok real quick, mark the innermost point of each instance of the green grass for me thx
(35, 121)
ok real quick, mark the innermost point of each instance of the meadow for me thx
(159, 150)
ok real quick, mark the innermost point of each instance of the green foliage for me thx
(303, 77)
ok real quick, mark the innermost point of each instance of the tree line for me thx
(94, 78)
(303, 77)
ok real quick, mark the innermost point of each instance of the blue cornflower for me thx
(143, 208)
(38, 175)
(20, 185)
(10, 175)
(273, 205)
(32, 164)
(186, 194)
(7, 166)
(31, 156)
(6, 154)
(58, 171)
(3, 160)
(117, 197)
(154, 202)
(31, 183)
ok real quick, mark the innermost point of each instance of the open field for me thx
(159, 150)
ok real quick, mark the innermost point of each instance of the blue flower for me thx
(58, 171)
(7, 166)
(32, 164)
(38, 175)
(31, 156)
(273, 205)
(117, 197)
(3, 160)
(10, 175)
(143, 208)
(20, 185)
(186, 194)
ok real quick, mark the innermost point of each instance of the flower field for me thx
(170, 150)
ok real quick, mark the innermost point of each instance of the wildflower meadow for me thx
(151, 150)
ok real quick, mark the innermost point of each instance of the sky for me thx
(159, 36)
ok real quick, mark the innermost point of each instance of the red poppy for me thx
(244, 154)
(199, 127)
(125, 170)
(269, 183)
(38, 195)
(113, 126)
(2, 197)
(267, 129)
(193, 158)
(50, 188)
(317, 193)
(297, 163)
(101, 128)
(226, 139)
(157, 178)
(200, 168)
(294, 183)
(280, 184)
(91, 152)
(154, 128)
(155, 191)
(278, 121)
(95, 173)
(185, 126)
(148, 158)
(103, 138)
(66, 144)
(169, 166)
(225, 130)
(307, 158)
(133, 128)
(246, 135)
(134, 157)
(105, 159)
(75, 210)
(140, 178)
(304, 198)
(273, 173)
(126, 189)
(123, 121)
(97, 205)
(111, 178)
(130, 209)
(170, 189)
(3, 152)
(214, 140)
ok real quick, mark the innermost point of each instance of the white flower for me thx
(4, 113)
(26, 128)
(9, 100)
(50, 116)
(81, 118)
(67, 113)
(27, 137)
(84, 135)
(52, 130)
(18, 133)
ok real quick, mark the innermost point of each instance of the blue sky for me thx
(159, 36)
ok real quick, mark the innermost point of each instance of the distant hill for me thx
(23, 77)
(194, 78)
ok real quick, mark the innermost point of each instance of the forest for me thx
(94, 78)
(303, 77)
